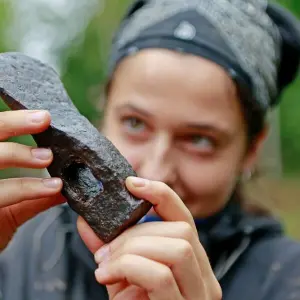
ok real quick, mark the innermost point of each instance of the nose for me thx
(157, 163)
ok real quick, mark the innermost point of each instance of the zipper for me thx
(226, 262)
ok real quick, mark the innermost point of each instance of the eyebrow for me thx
(222, 130)
(205, 127)
(134, 108)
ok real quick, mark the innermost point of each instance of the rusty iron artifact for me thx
(92, 169)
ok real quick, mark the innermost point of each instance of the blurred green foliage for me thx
(290, 115)
(85, 62)
(6, 14)
(292, 5)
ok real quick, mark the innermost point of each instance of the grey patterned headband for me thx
(248, 41)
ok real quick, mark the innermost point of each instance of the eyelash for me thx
(139, 134)
(186, 142)
(207, 149)
(129, 119)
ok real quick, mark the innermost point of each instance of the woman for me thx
(190, 85)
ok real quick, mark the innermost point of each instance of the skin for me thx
(23, 198)
(188, 158)
(170, 130)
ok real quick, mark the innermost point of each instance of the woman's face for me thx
(176, 118)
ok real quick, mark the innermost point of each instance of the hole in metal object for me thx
(81, 180)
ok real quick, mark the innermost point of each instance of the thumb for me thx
(88, 235)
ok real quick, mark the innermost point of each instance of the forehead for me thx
(177, 87)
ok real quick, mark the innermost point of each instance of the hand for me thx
(159, 260)
(23, 198)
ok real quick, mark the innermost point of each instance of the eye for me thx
(202, 141)
(133, 124)
(200, 144)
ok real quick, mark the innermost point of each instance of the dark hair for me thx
(289, 28)
(255, 121)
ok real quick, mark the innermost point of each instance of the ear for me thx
(254, 150)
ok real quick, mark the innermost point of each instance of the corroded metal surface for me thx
(92, 169)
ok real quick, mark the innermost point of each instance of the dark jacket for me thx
(252, 259)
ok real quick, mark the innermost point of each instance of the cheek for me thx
(133, 156)
(209, 180)
(132, 153)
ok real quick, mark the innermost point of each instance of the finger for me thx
(88, 235)
(16, 190)
(26, 210)
(180, 258)
(178, 230)
(20, 122)
(131, 292)
(167, 204)
(93, 243)
(20, 156)
(157, 279)
(11, 217)
(158, 194)
(114, 289)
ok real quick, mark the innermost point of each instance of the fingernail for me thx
(42, 154)
(52, 183)
(101, 273)
(102, 254)
(138, 182)
(37, 117)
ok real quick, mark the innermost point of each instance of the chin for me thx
(205, 210)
